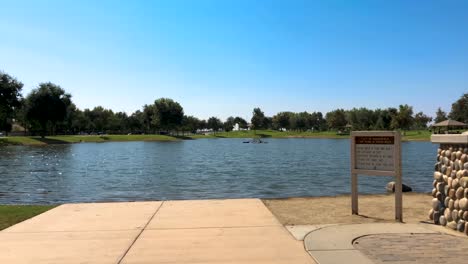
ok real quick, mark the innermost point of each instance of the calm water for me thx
(193, 169)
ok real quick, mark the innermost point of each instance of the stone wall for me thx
(450, 202)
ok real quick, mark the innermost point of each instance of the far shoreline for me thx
(418, 136)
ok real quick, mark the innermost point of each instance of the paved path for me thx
(206, 231)
(413, 248)
(388, 243)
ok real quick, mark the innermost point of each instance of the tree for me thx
(190, 123)
(404, 118)
(135, 122)
(336, 119)
(214, 123)
(10, 100)
(421, 120)
(258, 119)
(282, 120)
(460, 109)
(242, 123)
(229, 124)
(362, 118)
(384, 118)
(168, 114)
(440, 116)
(46, 105)
(318, 123)
(147, 118)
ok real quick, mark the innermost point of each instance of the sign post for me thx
(376, 154)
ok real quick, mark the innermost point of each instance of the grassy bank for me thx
(409, 136)
(13, 214)
(417, 135)
(78, 139)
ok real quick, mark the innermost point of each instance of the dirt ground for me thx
(337, 210)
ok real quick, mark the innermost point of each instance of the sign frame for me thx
(396, 172)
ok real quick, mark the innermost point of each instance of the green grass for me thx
(419, 135)
(277, 134)
(13, 214)
(78, 139)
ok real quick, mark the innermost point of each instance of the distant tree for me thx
(214, 123)
(168, 114)
(10, 100)
(135, 122)
(421, 120)
(70, 124)
(101, 119)
(47, 105)
(203, 124)
(229, 124)
(440, 116)
(336, 119)
(300, 121)
(120, 123)
(258, 119)
(282, 120)
(241, 121)
(318, 122)
(404, 118)
(190, 123)
(460, 109)
(148, 117)
(384, 118)
(362, 118)
(268, 122)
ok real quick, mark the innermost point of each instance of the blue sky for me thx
(225, 57)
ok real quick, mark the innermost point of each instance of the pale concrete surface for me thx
(65, 247)
(450, 138)
(341, 236)
(213, 213)
(413, 248)
(340, 256)
(90, 216)
(271, 245)
(299, 232)
(208, 231)
(334, 244)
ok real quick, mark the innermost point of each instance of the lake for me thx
(194, 169)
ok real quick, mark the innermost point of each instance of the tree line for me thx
(49, 110)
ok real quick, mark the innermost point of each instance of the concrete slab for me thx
(334, 244)
(270, 245)
(90, 217)
(340, 237)
(64, 247)
(213, 213)
(340, 256)
(300, 231)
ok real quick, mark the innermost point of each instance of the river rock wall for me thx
(450, 202)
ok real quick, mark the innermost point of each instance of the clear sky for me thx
(225, 57)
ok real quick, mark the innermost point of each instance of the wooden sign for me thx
(376, 153)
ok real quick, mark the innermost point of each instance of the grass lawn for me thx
(12, 214)
(419, 135)
(78, 139)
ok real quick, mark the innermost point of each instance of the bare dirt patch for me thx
(337, 209)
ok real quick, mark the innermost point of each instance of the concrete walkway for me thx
(359, 243)
(206, 231)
